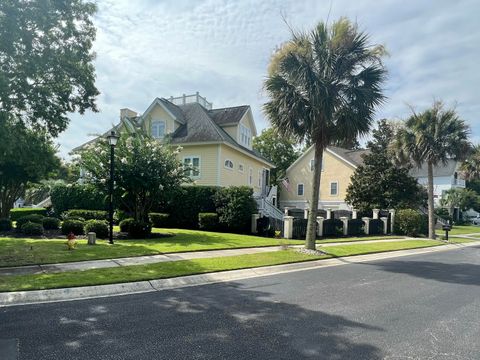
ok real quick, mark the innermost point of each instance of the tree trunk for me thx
(312, 215)
(431, 215)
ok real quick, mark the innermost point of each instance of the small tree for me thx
(145, 170)
(463, 199)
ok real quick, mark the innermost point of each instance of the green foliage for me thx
(100, 227)
(87, 214)
(410, 222)
(35, 218)
(471, 167)
(331, 227)
(280, 150)
(72, 226)
(208, 221)
(77, 196)
(464, 199)
(355, 227)
(375, 227)
(146, 171)
(139, 229)
(32, 228)
(51, 223)
(37, 192)
(125, 224)
(5, 225)
(46, 59)
(159, 220)
(235, 206)
(17, 213)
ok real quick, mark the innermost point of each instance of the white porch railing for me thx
(266, 208)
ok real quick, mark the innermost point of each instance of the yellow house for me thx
(216, 143)
(338, 166)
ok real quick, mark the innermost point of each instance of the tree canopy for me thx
(46, 61)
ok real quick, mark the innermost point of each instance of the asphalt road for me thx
(414, 307)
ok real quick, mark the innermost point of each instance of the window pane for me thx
(196, 166)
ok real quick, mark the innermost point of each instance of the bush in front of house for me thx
(159, 220)
(235, 206)
(99, 227)
(17, 213)
(87, 214)
(332, 227)
(34, 218)
(410, 222)
(51, 223)
(77, 196)
(5, 225)
(125, 224)
(32, 228)
(139, 229)
(72, 226)
(208, 221)
(355, 227)
(375, 227)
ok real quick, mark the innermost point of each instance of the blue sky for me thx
(147, 49)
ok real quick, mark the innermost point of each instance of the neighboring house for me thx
(445, 177)
(216, 143)
(337, 168)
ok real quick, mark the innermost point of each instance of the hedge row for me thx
(17, 213)
(86, 214)
(77, 196)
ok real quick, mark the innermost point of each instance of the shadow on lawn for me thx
(221, 321)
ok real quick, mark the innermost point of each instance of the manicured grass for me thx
(190, 267)
(458, 240)
(28, 251)
(461, 229)
(354, 239)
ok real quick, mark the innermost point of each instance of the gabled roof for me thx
(170, 108)
(228, 116)
(439, 170)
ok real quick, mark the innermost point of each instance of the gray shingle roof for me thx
(440, 170)
(353, 156)
(230, 115)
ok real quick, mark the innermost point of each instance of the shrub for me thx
(375, 227)
(74, 218)
(125, 224)
(87, 214)
(35, 218)
(17, 213)
(74, 226)
(235, 206)
(51, 223)
(411, 223)
(77, 196)
(208, 221)
(100, 227)
(159, 220)
(332, 227)
(355, 227)
(139, 229)
(32, 228)
(5, 225)
(120, 215)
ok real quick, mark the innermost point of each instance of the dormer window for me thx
(245, 136)
(158, 129)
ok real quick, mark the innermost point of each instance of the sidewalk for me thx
(151, 259)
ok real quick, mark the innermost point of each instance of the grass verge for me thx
(191, 267)
(461, 229)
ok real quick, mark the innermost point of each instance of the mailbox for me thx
(446, 228)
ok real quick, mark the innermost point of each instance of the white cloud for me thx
(147, 49)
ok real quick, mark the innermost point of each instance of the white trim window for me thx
(228, 164)
(250, 176)
(334, 188)
(157, 129)
(192, 166)
(300, 189)
(245, 136)
(241, 167)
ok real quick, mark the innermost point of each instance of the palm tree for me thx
(470, 168)
(432, 137)
(323, 87)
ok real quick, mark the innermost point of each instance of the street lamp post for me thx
(112, 140)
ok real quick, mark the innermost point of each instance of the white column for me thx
(366, 220)
(255, 217)
(288, 227)
(392, 219)
(329, 214)
(375, 213)
(385, 224)
(354, 213)
(320, 225)
(344, 219)
(305, 213)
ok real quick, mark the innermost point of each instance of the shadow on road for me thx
(221, 321)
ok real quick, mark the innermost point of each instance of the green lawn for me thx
(190, 267)
(354, 239)
(461, 229)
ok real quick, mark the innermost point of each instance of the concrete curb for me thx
(88, 292)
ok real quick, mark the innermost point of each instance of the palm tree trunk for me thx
(431, 216)
(312, 215)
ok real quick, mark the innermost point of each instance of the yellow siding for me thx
(158, 113)
(232, 131)
(208, 162)
(334, 170)
(235, 177)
